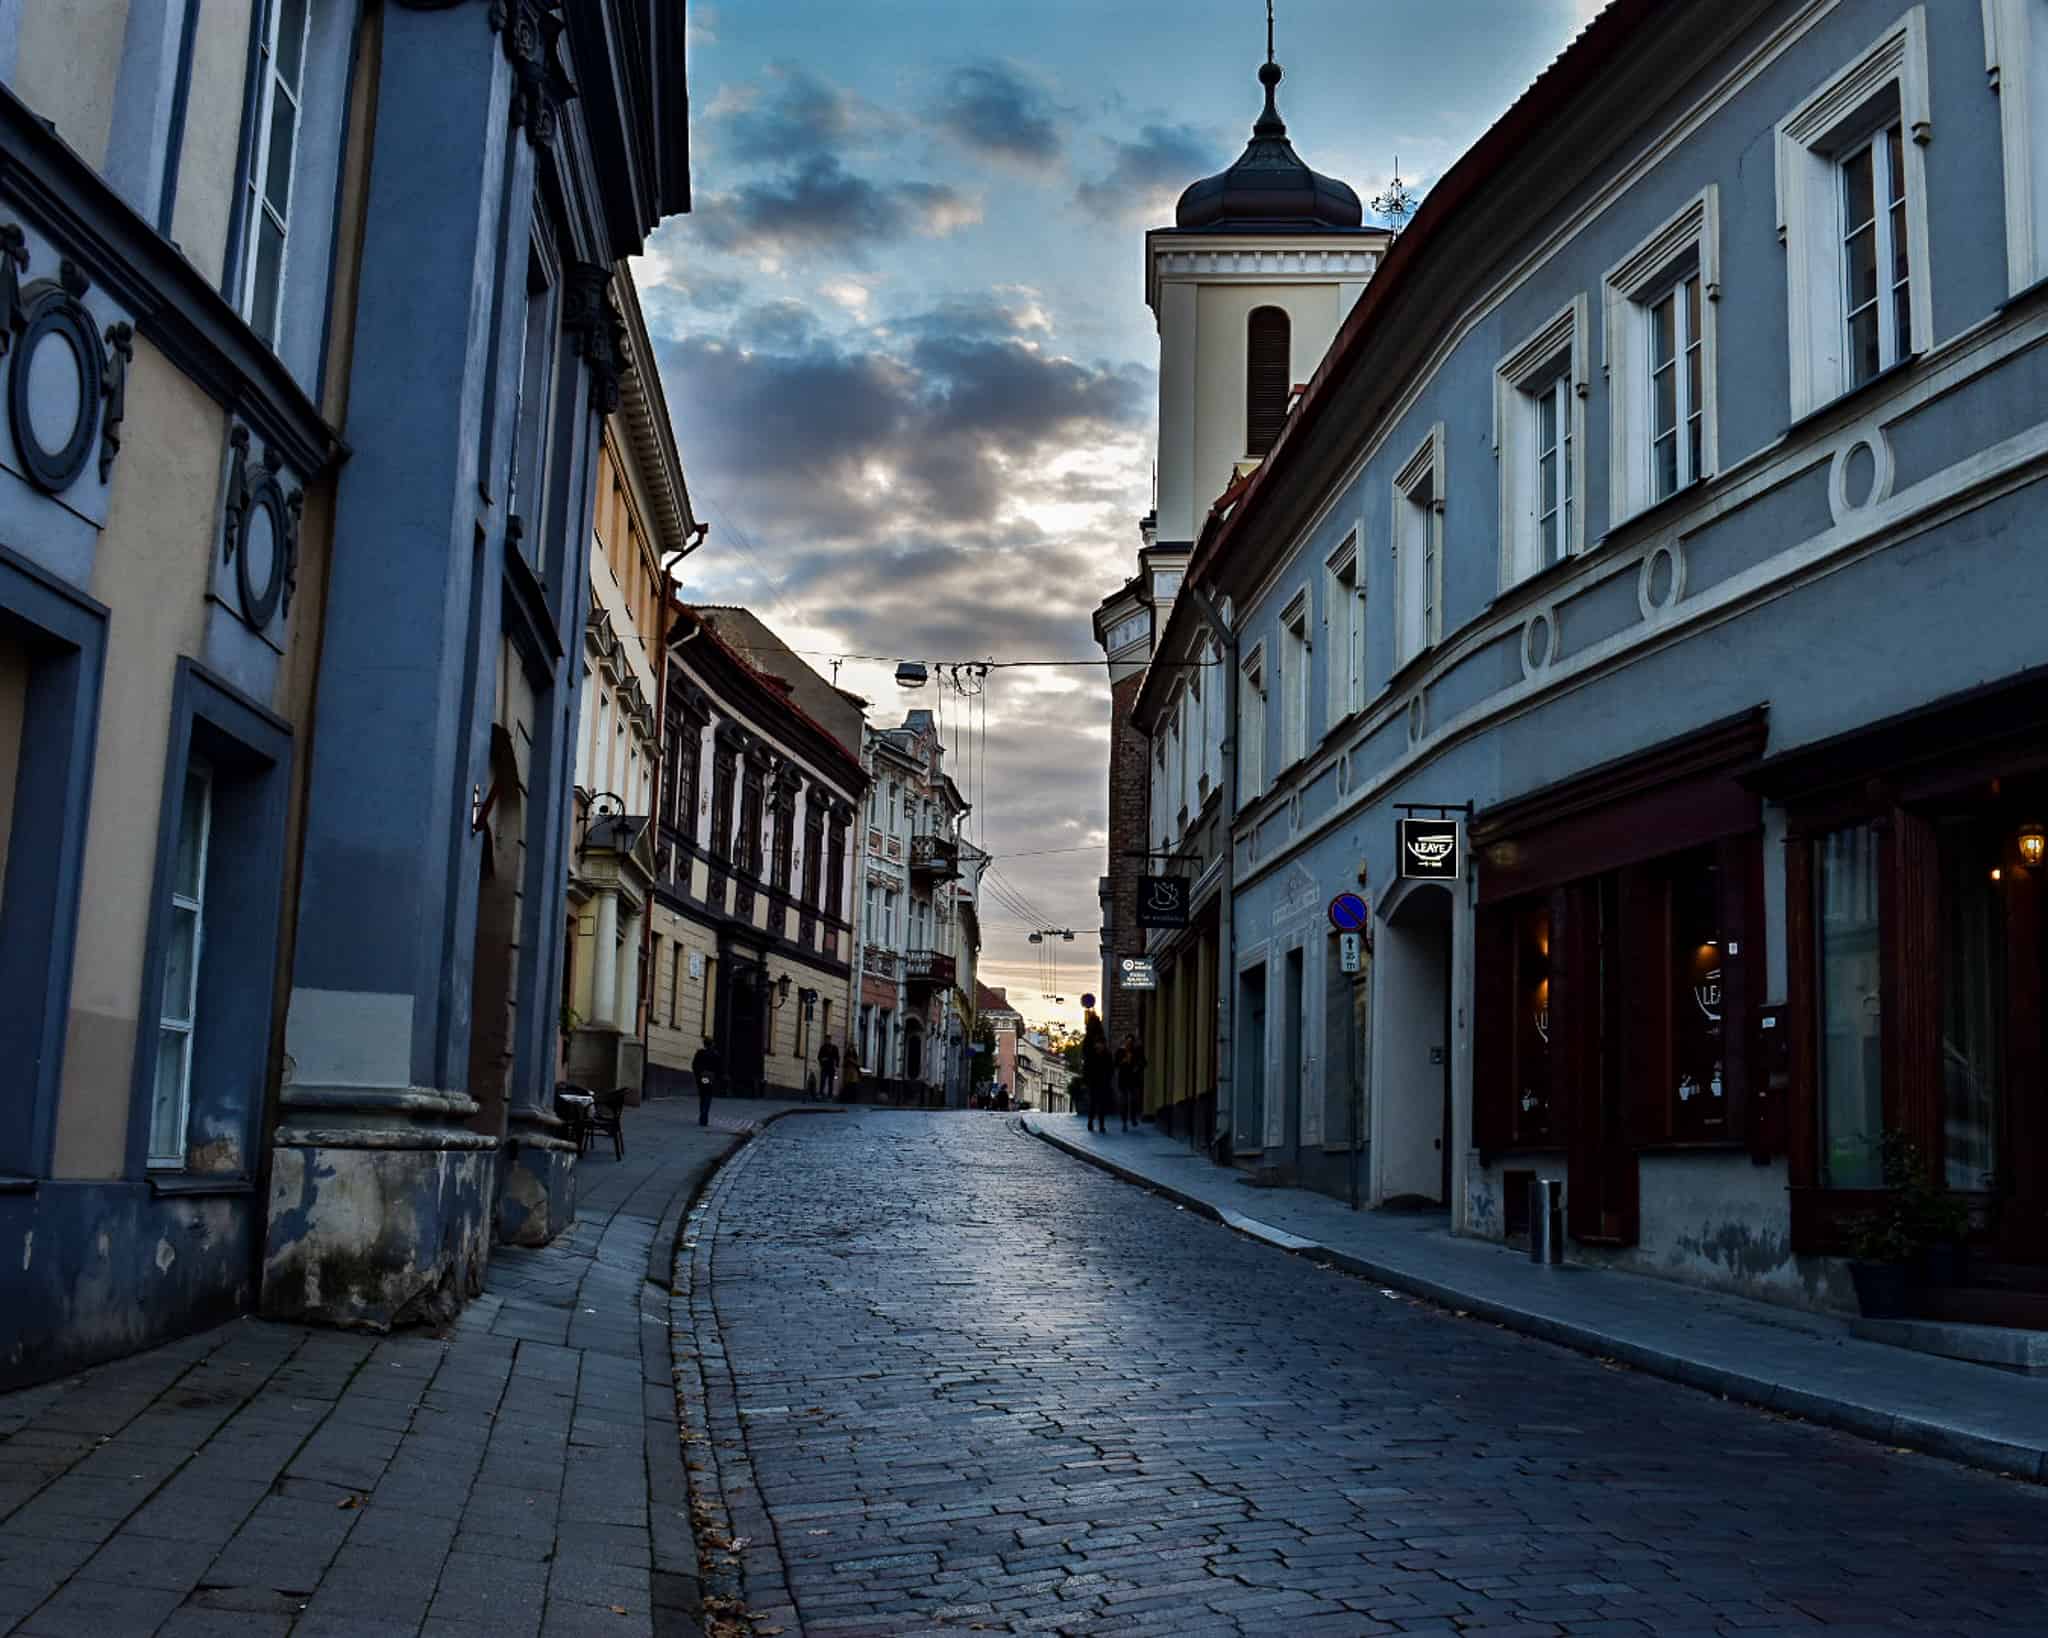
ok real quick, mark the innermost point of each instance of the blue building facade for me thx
(521, 152)
(294, 275)
(1663, 516)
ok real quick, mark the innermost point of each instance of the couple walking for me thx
(1110, 1081)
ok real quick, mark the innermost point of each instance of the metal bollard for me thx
(1546, 1220)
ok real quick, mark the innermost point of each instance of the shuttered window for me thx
(1268, 349)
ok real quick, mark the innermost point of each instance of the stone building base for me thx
(373, 1238)
(536, 1191)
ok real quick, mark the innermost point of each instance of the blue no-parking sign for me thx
(1348, 913)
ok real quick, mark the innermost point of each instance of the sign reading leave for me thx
(1429, 849)
(1163, 902)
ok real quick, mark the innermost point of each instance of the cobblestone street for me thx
(977, 1385)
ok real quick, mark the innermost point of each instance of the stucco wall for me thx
(1222, 314)
(68, 61)
(152, 568)
(213, 127)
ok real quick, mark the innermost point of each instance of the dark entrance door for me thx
(913, 1050)
(1251, 1061)
(745, 998)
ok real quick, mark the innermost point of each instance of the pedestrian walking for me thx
(828, 1071)
(707, 1066)
(1098, 1072)
(1130, 1080)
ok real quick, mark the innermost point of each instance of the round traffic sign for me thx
(1348, 913)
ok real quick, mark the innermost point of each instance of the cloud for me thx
(821, 206)
(997, 112)
(1158, 164)
(791, 116)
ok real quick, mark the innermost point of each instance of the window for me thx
(814, 852)
(1539, 435)
(1852, 204)
(784, 848)
(1660, 324)
(2016, 58)
(1251, 726)
(1418, 548)
(267, 200)
(1294, 652)
(177, 1015)
(888, 938)
(835, 877)
(1848, 1000)
(1876, 272)
(675, 978)
(1675, 388)
(1344, 623)
(540, 327)
(1268, 375)
(892, 807)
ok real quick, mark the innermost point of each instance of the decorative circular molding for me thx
(1882, 469)
(1539, 641)
(261, 534)
(1294, 810)
(56, 386)
(1344, 774)
(1415, 719)
(1654, 607)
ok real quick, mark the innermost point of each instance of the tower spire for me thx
(1269, 123)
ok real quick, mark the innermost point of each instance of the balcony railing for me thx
(928, 967)
(935, 856)
(881, 963)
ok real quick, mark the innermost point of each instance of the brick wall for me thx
(1130, 821)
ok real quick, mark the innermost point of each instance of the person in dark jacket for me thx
(1130, 1080)
(828, 1071)
(1098, 1072)
(707, 1066)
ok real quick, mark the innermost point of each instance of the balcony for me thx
(934, 858)
(881, 963)
(927, 969)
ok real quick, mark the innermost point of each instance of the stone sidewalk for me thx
(1783, 1359)
(517, 1474)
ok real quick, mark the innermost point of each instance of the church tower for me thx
(1247, 288)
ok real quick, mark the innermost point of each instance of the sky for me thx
(904, 341)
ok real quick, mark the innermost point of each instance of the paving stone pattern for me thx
(517, 1475)
(967, 1383)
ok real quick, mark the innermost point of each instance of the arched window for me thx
(1267, 366)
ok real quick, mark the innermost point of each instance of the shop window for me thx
(1973, 999)
(1848, 1000)
(1699, 1070)
(1530, 1117)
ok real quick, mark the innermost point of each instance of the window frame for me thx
(255, 180)
(1251, 724)
(171, 1156)
(1552, 359)
(1419, 556)
(2016, 65)
(1344, 613)
(1279, 421)
(1296, 660)
(1688, 243)
(1887, 81)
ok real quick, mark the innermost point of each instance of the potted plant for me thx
(1916, 1238)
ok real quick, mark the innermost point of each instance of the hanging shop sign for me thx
(1137, 973)
(1163, 902)
(1430, 849)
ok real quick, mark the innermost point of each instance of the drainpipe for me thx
(1226, 953)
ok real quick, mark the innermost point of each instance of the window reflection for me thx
(1852, 1086)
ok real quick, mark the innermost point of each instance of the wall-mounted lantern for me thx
(2033, 844)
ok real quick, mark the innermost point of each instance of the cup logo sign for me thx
(1706, 996)
(1163, 902)
(1429, 849)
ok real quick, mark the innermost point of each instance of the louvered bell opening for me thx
(1266, 371)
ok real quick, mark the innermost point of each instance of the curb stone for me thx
(2007, 1458)
(704, 1392)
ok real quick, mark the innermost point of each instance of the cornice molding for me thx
(176, 310)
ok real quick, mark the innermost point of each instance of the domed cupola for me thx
(1269, 189)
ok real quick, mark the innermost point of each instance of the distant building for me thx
(920, 925)
(753, 916)
(644, 525)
